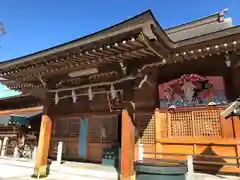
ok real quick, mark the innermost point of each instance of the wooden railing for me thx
(207, 163)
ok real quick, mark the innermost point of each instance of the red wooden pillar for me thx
(127, 147)
(41, 160)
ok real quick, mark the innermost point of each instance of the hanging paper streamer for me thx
(113, 92)
(90, 93)
(56, 98)
(103, 132)
(74, 97)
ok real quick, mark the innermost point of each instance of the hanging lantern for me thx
(74, 97)
(90, 94)
(113, 92)
(56, 98)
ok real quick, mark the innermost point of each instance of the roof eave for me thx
(134, 23)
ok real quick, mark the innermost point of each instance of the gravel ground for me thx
(10, 172)
(71, 171)
(198, 176)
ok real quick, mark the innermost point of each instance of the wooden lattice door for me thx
(194, 123)
(180, 124)
(207, 123)
(103, 129)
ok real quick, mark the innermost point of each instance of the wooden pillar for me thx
(4, 146)
(158, 130)
(127, 148)
(41, 162)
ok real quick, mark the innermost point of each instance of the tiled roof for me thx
(200, 30)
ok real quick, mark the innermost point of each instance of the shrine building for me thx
(136, 83)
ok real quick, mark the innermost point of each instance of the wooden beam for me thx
(128, 147)
(41, 161)
(152, 47)
(12, 111)
(114, 58)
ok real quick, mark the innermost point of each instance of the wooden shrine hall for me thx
(136, 83)
(20, 119)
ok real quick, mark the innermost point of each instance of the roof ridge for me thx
(218, 16)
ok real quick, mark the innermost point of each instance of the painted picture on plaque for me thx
(192, 90)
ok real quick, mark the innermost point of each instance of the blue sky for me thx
(34, 25)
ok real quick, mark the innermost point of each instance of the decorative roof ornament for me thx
(56, 98)
(74, 97)
(221, 14)
(90, 93)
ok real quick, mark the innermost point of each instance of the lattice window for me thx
(180, 124)
(74, 126)
(207, 123)
(146, 128)
(194, 123)
(68, 126)
(94, 130)
(103, 129)
(62, 127)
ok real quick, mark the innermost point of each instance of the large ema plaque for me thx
(192, 90)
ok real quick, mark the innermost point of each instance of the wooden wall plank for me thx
(95, 151)
(177, 148)
(149, 148)
(236, 124)
(227, 127)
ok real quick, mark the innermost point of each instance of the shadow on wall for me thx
(207, 168)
